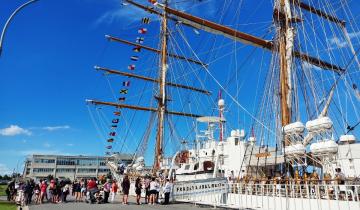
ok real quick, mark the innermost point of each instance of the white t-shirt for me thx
(152, 185)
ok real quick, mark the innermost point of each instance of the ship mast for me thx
(285, 44)
(162, 93)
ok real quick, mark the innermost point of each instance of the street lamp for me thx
(10, 18)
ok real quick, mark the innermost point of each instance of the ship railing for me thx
(313, 191)
(319, 196)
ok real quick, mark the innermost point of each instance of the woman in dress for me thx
(125, 188)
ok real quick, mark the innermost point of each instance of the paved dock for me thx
(116, 205)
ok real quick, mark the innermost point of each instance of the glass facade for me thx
(65, 170)
(66, 161)
(104, 170)
(39, 160)
(86, 170)
(88, 162)
(43, 170)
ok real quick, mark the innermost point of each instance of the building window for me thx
(67, 162)
(43, 170)
(65, 170)
(37, 160)
(104, 170)
(86, 170)
(102, 163)
(88, 162)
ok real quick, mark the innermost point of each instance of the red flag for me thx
(131, 67)
(153, 1)
(117, 113)
(142, 31)
(112, 133)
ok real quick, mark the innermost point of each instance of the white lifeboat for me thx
(327, 146)
(295, 149)
(139, 168)
(296, 127)
(347, 139)
(320, 124)
(135, 165)
(140, 159)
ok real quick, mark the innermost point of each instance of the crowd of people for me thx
(155, 190)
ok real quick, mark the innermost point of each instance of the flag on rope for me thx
(131, 67)
(107, 153)
(115, 121)
(110, 140)
(109, 147)
(117, 113)
(113, 126)
(122, 99)
(145, 20)
(142, 30)
(134, 58)
(126, 83)
(123, 91)
(153, 1)
(357, 91)
(140, 40)
(112, 133)
(137, 49)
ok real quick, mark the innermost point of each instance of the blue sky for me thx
(47, 73)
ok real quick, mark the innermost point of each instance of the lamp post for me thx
(9, 20)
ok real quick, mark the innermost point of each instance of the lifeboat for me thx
(323, 147)
(295, 149)
(347, 139)
(296, 127)
(320, 124)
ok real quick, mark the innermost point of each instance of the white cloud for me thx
(4, 170)
(70, 145)
(341, 42)
(54, 128)
(14, 130)
(307, 65)
(121, 13)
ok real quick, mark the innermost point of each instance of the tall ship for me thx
(288, 71)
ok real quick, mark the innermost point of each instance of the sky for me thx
(47, 72)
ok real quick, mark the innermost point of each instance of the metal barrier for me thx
(220, 193)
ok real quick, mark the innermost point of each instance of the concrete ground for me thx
(116, 205)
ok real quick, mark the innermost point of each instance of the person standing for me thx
(125, 188)
(107, 187)
(43, 187)
(138, 187)
(167, 191)
(147, 189)
(114, 189)
(153, 191)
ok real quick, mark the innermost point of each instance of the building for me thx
(73, 167)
